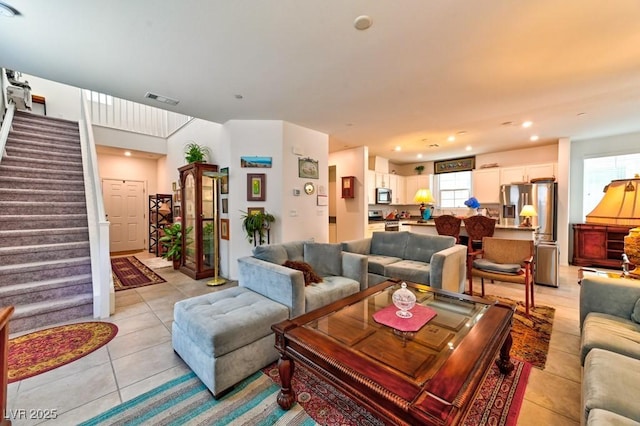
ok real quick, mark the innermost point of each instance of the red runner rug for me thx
(129, 272)
(498, 401)
(44, 350)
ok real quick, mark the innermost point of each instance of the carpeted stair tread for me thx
(38, 207)
(34, 136)
(44, 195)
(27, 152)
(30, 127)
(20, 182)
(50, 146)
(47, 306)
(51, 164)
(47, 264)
(42, 247)
(23, 115)
(44, 285)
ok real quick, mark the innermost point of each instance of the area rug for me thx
(128, 272)
(156, 262)
(44, 350)
(531, 334)
(186, 400)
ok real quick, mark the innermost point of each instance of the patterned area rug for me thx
(129, 272)
(530, 334)
(44, 350)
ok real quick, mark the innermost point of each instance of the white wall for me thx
(130, 168)
(116, 138)
(351, 213)
(63, 101)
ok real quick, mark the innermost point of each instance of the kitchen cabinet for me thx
(397, 185)
(486, 185)
(413, 183)
(371, 187)
(374, 227)
(382, 180)
(519, 174)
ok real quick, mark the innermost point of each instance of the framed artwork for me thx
(457, 165)
(224, 229)
(262, 162)
(176, 212)
(254, 210)
(256, 187)
(224, 181)
(225, 205)
(308, 168)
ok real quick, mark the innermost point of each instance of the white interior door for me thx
(125, 206)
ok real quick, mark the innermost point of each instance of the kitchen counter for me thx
(502, 231)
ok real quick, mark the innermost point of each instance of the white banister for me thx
(6, 126)
(103, 292)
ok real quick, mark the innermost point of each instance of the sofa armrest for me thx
(613, 296)
(449, 269)
(278, 283)
(356, 267)
(361, 246)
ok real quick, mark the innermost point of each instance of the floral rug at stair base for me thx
(129, 272)
(498, 401)
(44, 350)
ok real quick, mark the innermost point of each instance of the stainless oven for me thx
(392, 225)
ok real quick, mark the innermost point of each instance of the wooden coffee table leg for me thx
(287, 395)
(504, 362)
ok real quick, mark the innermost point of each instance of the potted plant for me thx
(194, 152)
(172, 241)
(257, 225)
(419, 169)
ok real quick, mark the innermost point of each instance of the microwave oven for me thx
(383, 196)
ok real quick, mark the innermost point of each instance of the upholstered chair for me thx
(448, 225)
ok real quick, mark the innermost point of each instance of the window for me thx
(98, 97)
(453, 189)
(598, 172)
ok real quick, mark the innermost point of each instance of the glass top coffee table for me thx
(428, 376)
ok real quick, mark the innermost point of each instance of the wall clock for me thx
(309, 188)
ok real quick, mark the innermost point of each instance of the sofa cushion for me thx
(610, 382)
(502, 268)
(326, 259)
(309, 274)
(610, 332)
(295, 250)
(635, 315)
(223, 321)
(377, 264)
(390, 244)
(598, 417)
(274, 253)
(422, 247)
(409, 270)
(329, 291)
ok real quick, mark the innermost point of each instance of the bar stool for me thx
(448, 225)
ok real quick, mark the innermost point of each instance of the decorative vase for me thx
(632, 248)
(404, 300)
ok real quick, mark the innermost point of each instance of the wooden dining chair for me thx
(478, 227)
(448, 225)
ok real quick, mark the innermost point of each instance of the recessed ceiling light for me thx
(461, 132)
(362, 22)
(127, 153)
(526, 124)
(8, 11)
(534, 138)
(419, 155)
(349, 124)
(580, 113)
(468, 148)
(433, 145)
(506, 123)
(397, 148)
(451, 138)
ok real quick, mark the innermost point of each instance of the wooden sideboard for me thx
(599, 245)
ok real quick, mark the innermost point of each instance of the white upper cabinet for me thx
(537, 171)
(397, 185)
(382, 180)
(413, 183)
(486, 185)
(521, 174)
(371, 187)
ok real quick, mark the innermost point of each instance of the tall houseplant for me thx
(257, 225)
(172, 241)
(194, 152)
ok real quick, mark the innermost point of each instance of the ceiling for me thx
(424, 71)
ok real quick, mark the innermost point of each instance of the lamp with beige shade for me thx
(424, 197)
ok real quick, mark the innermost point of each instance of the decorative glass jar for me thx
(404, 300)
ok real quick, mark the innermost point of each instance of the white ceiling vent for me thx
(161, 98)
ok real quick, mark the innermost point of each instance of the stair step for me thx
(44, 196)
(20, 182)
(44, 145)
(39, 314)
(44, 137)
(32, 127)
(40, 173)
(23, 116)
(15, 150)
(44, 270)
(42, 164)
(39, 291)
(28, 237)
(28, 208)
(12, 222)
(43, 252)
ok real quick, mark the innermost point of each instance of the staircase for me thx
(45, 265)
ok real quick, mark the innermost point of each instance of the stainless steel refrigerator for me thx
(543, 197)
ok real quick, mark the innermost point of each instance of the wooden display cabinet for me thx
(198, 220)
(348, 186)
(599, 245)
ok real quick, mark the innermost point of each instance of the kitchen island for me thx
(511, 232)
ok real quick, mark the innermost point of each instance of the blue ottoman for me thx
(226, 336)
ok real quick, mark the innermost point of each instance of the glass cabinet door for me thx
(189, 221)
(208, 223)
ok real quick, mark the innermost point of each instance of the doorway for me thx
(124, 205)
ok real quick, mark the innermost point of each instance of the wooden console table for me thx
(599, 245)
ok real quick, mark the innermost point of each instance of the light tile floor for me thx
(140, 357)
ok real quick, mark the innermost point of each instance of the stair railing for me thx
(6, 126)
(103, 292)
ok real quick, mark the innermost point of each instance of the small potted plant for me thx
(194, 153)
(419, 169)
(172, 241)
(257, 225)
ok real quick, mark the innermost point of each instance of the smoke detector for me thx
(160, 98)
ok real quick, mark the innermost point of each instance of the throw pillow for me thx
(271, 253)
(309, 275)
(326, 259)
(635, 315)
(502, 268)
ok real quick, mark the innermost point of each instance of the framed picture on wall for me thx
(224, 229)
(254, 210)
(308, 168)
(256, 187)
(224, 180)
(225, 205)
